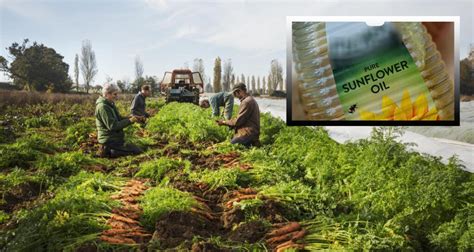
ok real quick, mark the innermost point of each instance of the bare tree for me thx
(254, 90)
(198, 66)
(76, 71)
(269, 85)
(232, 81)
(259, 88)
(108, 79)
(217, 75)
(138, 68)
(227, 76)
(276, 74)
(88, 64)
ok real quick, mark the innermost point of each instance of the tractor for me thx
(182, 85)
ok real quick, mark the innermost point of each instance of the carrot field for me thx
(191, 190)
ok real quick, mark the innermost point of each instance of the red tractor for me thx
(182, 85)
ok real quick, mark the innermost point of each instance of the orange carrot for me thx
(117, 241)
(286, 237)
(202, 213)
(123, 219)
(230, 203)
(289, 245)
(291, 227)
(247, 191)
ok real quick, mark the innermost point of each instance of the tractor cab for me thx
(182, 85)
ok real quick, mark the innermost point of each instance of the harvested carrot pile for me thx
(284, 236)
(124, 221)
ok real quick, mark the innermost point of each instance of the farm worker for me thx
(247, 123)
(110, 125)
(138, 104)
(224, 99)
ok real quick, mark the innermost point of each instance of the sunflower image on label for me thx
(376, 77)
(353, 71)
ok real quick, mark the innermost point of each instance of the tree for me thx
(88, 64)
(227, 76)
(466, 80)
(139, 80)
(36, 67)
(198, 66)
(138, 68)
(122, 85)
(276, 74)
(151, 80)
(217, 75)
(269, 85)
(248, 82)
(259, 88)
(76, 71)
(281, 84)
(242, 78)
(264, 85)
(254, 90)
(208, 88)
(232, 81)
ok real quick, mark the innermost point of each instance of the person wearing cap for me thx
(224, 99)
(138, 104)
(247, 123)
(110, 125)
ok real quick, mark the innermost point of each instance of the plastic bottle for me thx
(315, 79)
(314, 75)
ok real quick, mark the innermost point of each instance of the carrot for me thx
(230, 203)
(291, 227)
(290, 245)
(247, 191)
(114, 231)
(127, 213)
(200, 199)
(117, 241)
(202, 213)
(279, 225)
(295, 235)
(123, 219)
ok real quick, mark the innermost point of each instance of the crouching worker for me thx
(221, 99)
(247, 123)
(110, 125)
(138, 107)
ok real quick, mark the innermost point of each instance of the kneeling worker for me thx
(138, 107)
(110, 125)
(224, 99)
(247, 122)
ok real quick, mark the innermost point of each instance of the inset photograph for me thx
(372, 72)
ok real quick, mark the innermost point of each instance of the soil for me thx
(176, 227)
(16, 196)
(250, 232)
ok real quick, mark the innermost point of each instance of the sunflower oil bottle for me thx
(350, 71)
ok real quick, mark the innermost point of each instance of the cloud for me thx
(186, 31)
(26, 9)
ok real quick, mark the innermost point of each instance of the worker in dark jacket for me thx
(221, 99)
(138, 104)
(110, 125)
(247, 123)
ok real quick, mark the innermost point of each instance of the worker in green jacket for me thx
(221, 99)
(110, 125)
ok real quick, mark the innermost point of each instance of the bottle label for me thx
(376, 77)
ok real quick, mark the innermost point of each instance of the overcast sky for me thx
(169, 34)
